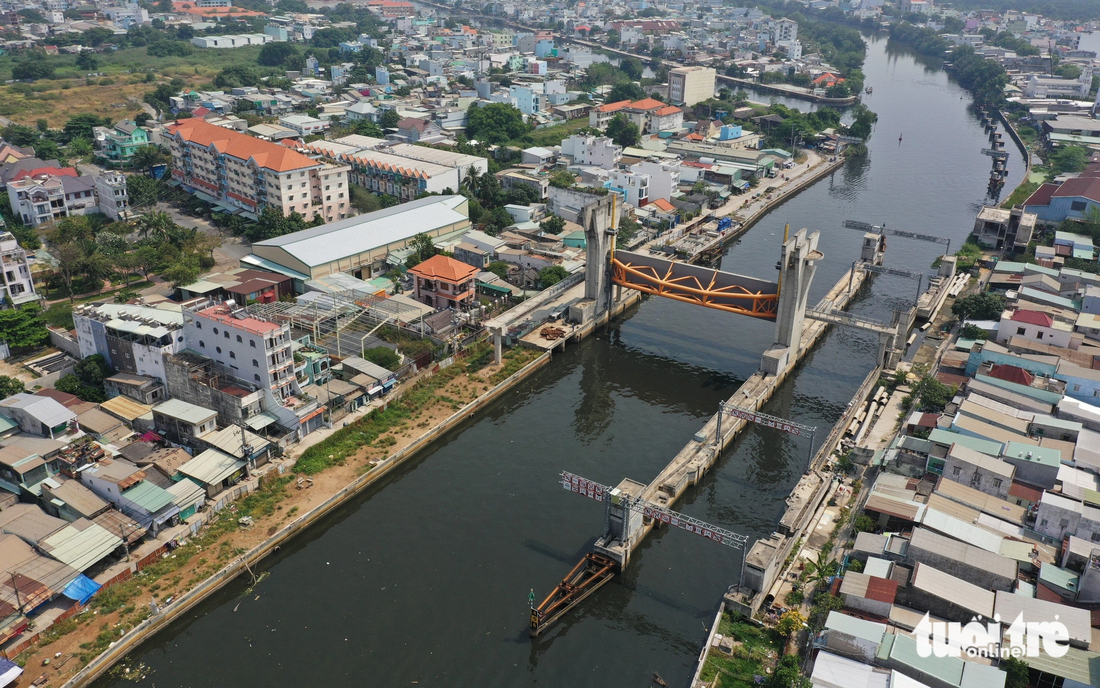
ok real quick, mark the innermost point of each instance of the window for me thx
(252, 343)
(226, 333)
(1064, 523)
(1078, 205)
(202, 344)
(218, 349)
(239, 340)
(1096, 537)
(257, 377)
(198, 324)
(1077, 388)
(215, 331)
(232, 354)
(1019, 330)
(997, 482)
(956, 470)
(1043, 522)
(255, 363)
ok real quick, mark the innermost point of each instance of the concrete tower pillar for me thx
(597, 218)
(796, 272)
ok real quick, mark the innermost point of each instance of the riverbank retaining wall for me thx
(189, 600)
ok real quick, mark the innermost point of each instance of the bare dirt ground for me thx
(115, 610)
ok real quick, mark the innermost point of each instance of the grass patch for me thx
(263, 501)
(512, 362)
(552, 136)
(57, 630)
(759, 649)
(1021, 194)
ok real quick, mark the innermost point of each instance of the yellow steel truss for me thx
(689, 289)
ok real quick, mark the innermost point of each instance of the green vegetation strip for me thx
(755, 649)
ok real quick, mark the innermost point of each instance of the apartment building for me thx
(133, 339)
(18, 283)
(243, 172)
(46, 197)
(114, 198)
(690, 85)
(256, 350)
(592, 150)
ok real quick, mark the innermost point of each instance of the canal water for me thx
(425, 578)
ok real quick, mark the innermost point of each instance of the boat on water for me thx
(870, 90)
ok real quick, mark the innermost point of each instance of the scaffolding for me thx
(342, 323)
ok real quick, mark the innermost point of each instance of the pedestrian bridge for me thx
(696, 284)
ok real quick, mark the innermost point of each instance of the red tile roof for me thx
(444, 268)
(881, 589)
(647, 104)
(1022, 491)
(663, 205)
(1033, 318)
(613, 107)
(1042, 195)
(1085, 187)
(241, 146)
(1012, 374)
(668, 110)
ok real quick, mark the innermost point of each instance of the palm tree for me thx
(146, 157)
(157, 224)
(819, 570)
(472, 181)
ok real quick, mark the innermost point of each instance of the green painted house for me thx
(119, 145)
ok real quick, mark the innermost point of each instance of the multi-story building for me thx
(133, 339)
(47, 197)
(114, 199)
(443, 282)
(786, 30)
(651, 116)
(399, 176)
(257, 351)
(244, 172)
(528, 99)
(592, 150)
(304, 124)
(664, 177)
(633, 186)
(690, 85)
(117, 146)
(18, 283)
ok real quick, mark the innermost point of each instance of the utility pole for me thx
(18, 601)
(125, 545)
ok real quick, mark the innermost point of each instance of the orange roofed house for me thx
(443, 282)
(650, 115)
(244, 173)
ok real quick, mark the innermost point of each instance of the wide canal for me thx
(425, 578)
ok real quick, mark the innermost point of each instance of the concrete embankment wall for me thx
(211, 585)
(1015, 136)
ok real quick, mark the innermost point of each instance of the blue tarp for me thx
(9, 672)
(81, 589)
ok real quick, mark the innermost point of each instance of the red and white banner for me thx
(676, 522)
(586, 488)
(762, 420)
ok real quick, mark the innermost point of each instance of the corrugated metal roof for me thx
(834, 671)
(925, 539)
(946, 437)
(858, 628)
(228, 440)
(1077, 665)
(961, 530)
(125, 408)
(331, 242)
(954, 590)
(1078, 622)
(82, 544)
(188, 413)
(185, 493)
(148, 496)
(211, 467)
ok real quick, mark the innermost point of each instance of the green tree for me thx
(632, 67)
(788, 674)
(1069, 159)
(21, 135)
(934, 395)
(983, 306)
(272, 224)
(423, 246)
(23, 327)
(499, 268)
(819, 570)
(87, 61)
(971, 331)
(552, 225)
(235, 76)
(80, 148)
(70, 260)
(184, 271)
(362, 200)
(389, 119)
(143, 191)
(81, 126)
(31, 70)
(622, 131)
(146, 157)
(551, 275)
(1018, 672)
(625, 91)
(495, 123)
(364, 127)
(279, 55)
(10, 386)
(863, 123)
(383, 356)
(156, 225)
